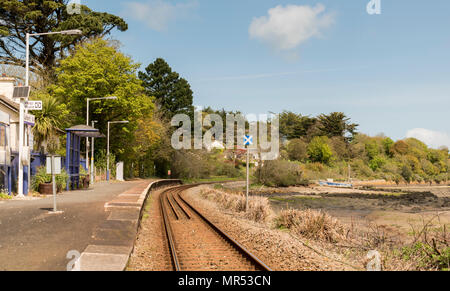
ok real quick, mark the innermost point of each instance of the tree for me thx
(339, 147)
(337, 124)
(173, 94)
(401, 147)
(372, 149)
(407, 173)
(98, 69)
(52, 118)
(294, 125)
(297, 150)
(148, 139)
(37, 16)
(377, 162)
(319, 150)
(387, 146)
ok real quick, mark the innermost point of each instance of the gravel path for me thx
(151, 252)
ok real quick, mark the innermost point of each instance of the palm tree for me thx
(53, 116)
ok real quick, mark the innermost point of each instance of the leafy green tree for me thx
(387, 146)
(377, 162)
(319, 150)
(372, 149)
(297, 150)
(172, 93)
(337, 124)
(98, 69)
(38, 16)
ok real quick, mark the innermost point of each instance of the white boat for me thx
(334, 184)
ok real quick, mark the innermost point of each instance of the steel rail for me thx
(177, 215)
(170, 236)
(169, 233)
(176, 198)
(257, 262)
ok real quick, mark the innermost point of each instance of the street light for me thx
(92, 156)
(87, 123)
(22, 105)
(107, 160)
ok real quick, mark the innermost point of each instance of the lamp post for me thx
(88, 100)
(22, 105)
(92, 157)
(107, 155)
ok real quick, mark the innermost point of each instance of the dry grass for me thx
(313, 225)
(259, 207)
(430, 249)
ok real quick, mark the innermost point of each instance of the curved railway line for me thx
(197, 244)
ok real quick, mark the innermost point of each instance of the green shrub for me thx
(4, 196)
(428, 257)
(441, 178)
(228, 170)
(280, 173)
(361, 169)
(297, 150)
(407, 173)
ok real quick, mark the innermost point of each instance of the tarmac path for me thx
(31, 239)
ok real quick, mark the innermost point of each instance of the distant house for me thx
(214, 145)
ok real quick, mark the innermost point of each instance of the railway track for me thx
(197, 244)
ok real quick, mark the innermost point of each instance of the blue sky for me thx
(390, 72)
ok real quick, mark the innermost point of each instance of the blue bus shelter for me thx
(73, 152)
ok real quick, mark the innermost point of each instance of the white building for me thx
(9, 133)
(9, 111)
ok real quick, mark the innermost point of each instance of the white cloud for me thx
(432, 138)
(285, 28)
(158, 14)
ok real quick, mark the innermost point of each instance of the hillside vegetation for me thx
(328, 146)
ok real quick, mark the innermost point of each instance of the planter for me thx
(47, 189)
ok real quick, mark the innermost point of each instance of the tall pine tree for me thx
(172, 93)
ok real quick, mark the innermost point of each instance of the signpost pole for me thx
(21, 139)
(248, 141)
(87, 139)
(54, 183)
(248, 178)
(92, 176)
(107, 155)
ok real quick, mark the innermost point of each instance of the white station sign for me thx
(33, 105)
(57, 166)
